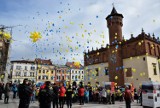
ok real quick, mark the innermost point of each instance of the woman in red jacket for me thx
(62, 92)
(81, 95)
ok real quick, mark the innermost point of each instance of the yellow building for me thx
(45, 70)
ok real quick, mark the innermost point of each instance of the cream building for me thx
(22, 69)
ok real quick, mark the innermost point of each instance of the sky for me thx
(71, 27)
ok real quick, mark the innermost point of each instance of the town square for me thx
(79, 54)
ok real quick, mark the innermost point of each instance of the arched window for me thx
(149, 48)
(158, 50)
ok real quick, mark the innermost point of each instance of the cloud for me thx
(71, 27)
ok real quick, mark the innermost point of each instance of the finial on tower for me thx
(113, 4)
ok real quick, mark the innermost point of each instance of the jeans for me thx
(14, 94)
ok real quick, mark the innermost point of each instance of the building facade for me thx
(45, 70)
(22, 69)
(76, 72)
(62, 74)
(123, 61)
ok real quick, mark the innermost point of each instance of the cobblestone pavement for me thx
(13, 103)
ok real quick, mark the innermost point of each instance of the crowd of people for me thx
(59, 94)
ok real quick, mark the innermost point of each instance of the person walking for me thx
(81, 95)
(69, 93)
(6, 93)
(14, 89)
(62, 92)
(46, 96)
(24, 92)
(128, 97)
(55, 95)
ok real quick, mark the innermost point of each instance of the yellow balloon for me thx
(35, 36)
(116, 77)
(125, 70)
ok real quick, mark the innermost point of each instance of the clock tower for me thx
(114, 24)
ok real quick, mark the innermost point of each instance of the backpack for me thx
(45, 96)
(128, 95)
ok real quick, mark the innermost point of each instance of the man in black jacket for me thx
(55, 95)
(24, 92)
(69, 93)
(46, 95)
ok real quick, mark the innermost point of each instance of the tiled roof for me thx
(43, 62)
(22, 61)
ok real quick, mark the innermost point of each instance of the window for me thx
(25, 74)
(62, 77)
(154, 68)
(31, 74)
(18, 73)
(129, 72)
(25, 68)
(52, 77)
(82, 77)
(144, 58)
(32, 68)
(52, 72)
(76, 72)
(43, 77)
(82, 72)
(57, 77)
(72, 71)
(39, 77)
(73, 77)
(18, 67)
(79, 77)
(76, 77)
(97, 71)
(106, 71)
(43, 71)
(46, 77)
(79, 72)
(39, 71)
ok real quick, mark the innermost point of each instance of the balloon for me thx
(77, 64)
(35, 36)
(5, 35)
(125, 70)
(116, 77)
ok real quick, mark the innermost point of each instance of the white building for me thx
(76, 73)
(22, 69)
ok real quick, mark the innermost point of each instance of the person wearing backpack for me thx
(128, 97)
(46, 96)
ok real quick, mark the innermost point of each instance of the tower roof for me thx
(114, 13)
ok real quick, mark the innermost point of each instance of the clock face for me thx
(113, 58)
